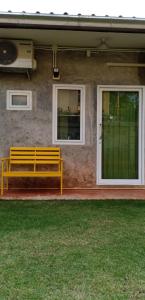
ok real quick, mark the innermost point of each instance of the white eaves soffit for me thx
(74, 31)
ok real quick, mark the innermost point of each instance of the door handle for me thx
(100, 131)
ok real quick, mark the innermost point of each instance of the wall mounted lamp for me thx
(56, 73)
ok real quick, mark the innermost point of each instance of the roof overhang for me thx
(74, 31)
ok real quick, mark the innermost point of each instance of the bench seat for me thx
(33, 158)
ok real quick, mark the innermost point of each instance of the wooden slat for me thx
(47, 148)
(47, 153)
(35, 148)
(47, 157)
(20, 157)
(22, 162)
(22, 149)
(48, 162)
(37, 162)
(32, 174)
(22, 152)
(33, 159)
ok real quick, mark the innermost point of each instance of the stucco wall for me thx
(35, 127)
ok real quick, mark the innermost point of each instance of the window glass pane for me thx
(68, 118)
(19, 99)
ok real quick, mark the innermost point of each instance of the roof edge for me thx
(74, 22)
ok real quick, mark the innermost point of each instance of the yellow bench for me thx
(32, 162)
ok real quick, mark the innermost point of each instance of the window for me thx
(68, 114)
(19, 100)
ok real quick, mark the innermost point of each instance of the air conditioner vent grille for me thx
(8, 52)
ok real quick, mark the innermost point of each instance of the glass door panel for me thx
(120, 134)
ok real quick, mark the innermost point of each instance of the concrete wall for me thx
(35, 127)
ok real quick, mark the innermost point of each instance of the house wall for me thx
(26, 128)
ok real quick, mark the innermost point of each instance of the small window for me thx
(19, 100)
(68, 114)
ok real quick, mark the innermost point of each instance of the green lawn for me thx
(72, 250)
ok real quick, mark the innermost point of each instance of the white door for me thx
(120, 135)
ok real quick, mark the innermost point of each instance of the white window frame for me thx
(11, 93)
(57, 87)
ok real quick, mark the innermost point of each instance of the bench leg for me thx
(2, 185)
(7, 183)
(61, 185)
(61, 178)
(2, 179)
(8, 168)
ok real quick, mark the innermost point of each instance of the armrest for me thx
(4, 158)
(4, 163)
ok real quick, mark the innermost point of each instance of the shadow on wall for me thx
(141, 71)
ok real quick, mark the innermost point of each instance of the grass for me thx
(72, 250)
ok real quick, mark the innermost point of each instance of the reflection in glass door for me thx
(120, 136)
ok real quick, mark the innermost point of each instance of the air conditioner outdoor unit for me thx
(16, 55)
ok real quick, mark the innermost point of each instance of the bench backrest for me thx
(34, 155)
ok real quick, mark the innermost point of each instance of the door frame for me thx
(140, 180)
